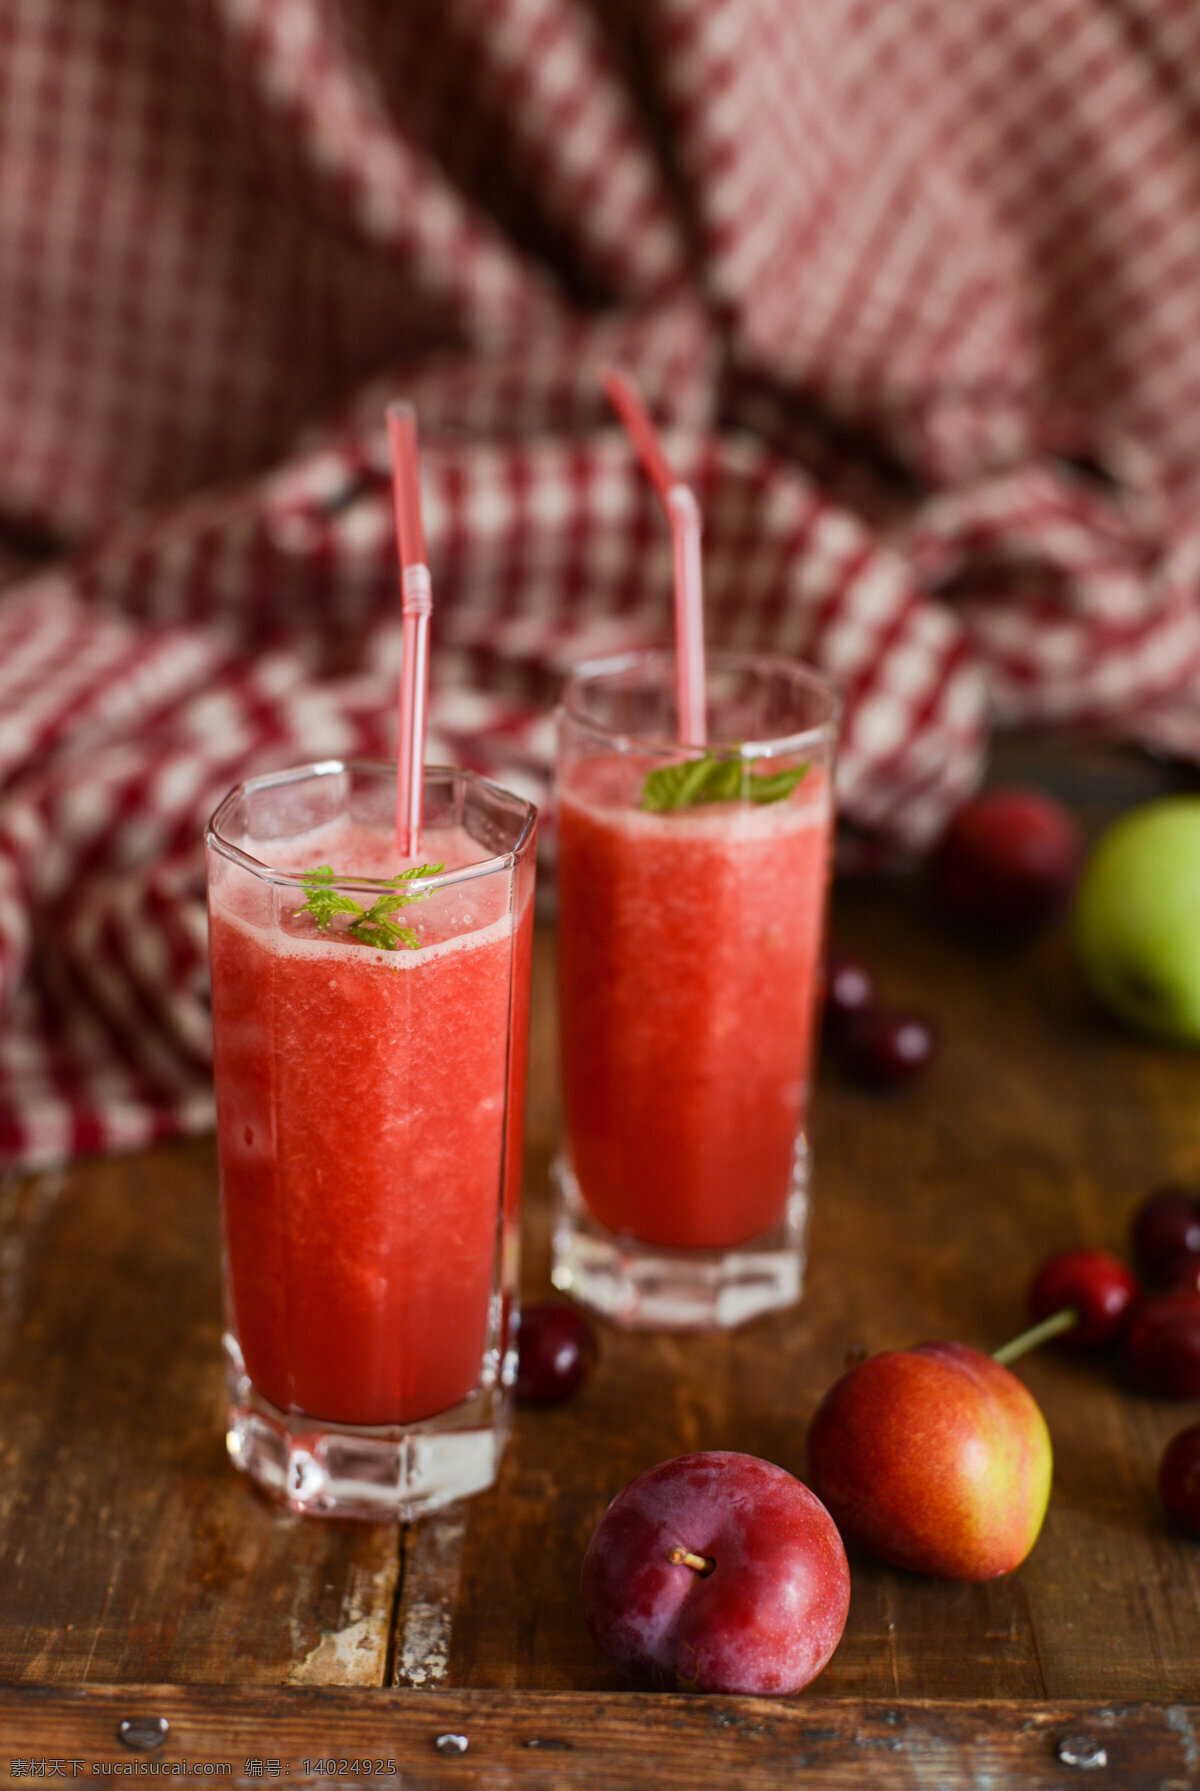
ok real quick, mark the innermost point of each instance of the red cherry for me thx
(849, 991)
(1166, 1226)
(1162, 1342)
(556, 1351)
(1099, 1286)
(1179, 1478)
(886, 1045)
(1008, 860)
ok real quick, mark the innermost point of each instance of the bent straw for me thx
(416, 604)
(683, 517)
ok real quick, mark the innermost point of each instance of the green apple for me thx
(1136, 918)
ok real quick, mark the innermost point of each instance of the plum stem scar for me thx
(683, 1557)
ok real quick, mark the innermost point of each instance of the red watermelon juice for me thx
(688, 966)
(369, 1113)
(689, 946)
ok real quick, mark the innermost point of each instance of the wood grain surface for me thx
(570, 1741)
(131, 1553)
(127, 1548)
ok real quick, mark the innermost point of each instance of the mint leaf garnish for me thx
(773, 786)
(713, 779)
(373, 925)
(323, 903)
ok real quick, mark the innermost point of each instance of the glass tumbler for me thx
(370, 1022)
(692, 895)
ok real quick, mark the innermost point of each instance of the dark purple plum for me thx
(717, 1572)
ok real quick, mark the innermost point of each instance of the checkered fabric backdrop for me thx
(913, 286)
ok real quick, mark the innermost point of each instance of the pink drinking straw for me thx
(683, 516)
(416, 604)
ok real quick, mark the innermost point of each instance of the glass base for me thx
(394, 1472)
(650, 1287)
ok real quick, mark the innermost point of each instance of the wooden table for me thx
(140, 1577)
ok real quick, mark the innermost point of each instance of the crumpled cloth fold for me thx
(914, 290)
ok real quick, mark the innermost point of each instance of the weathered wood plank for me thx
(129, 1549)
(432, 1572)
(551, 1741)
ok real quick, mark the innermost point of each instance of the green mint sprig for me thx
(373, 925)
(713, 779)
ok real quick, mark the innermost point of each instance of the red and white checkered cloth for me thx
(915, 287)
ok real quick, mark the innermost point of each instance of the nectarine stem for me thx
(683, 1557)
(1054, 1326)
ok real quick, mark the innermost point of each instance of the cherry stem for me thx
(683, 1557)
(1054, 1326)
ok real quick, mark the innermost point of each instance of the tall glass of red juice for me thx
(692, 891)
(370, 1020)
